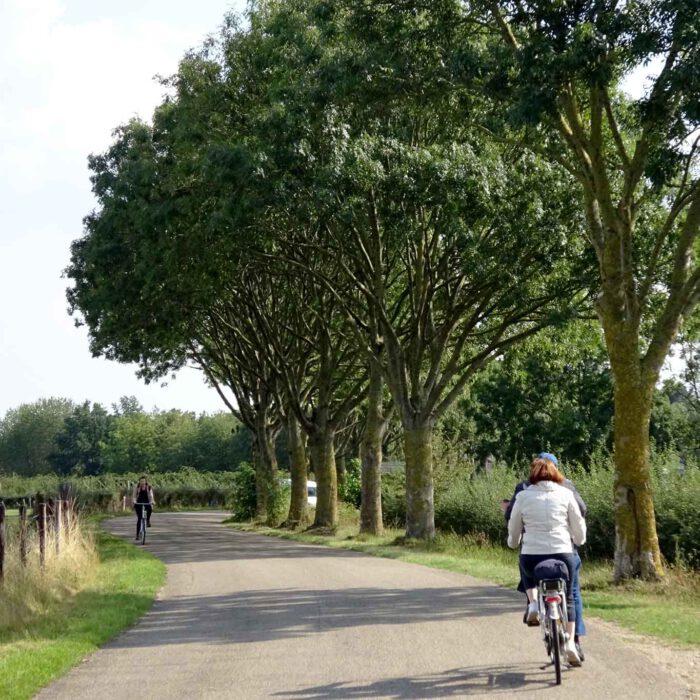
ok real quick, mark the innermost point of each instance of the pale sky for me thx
(70, 72)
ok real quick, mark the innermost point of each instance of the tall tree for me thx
(453, 250)
(557, 70)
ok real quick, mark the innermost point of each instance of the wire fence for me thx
(53, 519)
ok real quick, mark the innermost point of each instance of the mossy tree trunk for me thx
(371, 520)
(298, 468)
(418, 452)
(323, 463)
(637, 550)
(266, 477)
(340, 468)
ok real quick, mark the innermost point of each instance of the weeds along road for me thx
(247, 616)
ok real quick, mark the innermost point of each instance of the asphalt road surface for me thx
(247, 616)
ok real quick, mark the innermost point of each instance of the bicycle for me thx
(142, 521)
(551, 597)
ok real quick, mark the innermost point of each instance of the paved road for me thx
(246, 616)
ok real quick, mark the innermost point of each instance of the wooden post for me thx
(2, 541)
(41, 529)
(57, 525)
(66, 519)
(23, 534)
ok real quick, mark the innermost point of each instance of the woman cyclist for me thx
(546, 519)
(143, 500)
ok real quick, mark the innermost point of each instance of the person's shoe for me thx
(148, 524)
(533, 615)
(571, 654)
(579, 651)
(136, 538)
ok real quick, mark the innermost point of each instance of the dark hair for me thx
(544, 470)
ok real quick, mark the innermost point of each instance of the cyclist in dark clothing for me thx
(143, 501)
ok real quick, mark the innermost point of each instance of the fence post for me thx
(57, 525)
(66, 520)
(23, 534)
(2, 541)
(41, 528)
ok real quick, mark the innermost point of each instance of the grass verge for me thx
(669, 611)
(122, 589)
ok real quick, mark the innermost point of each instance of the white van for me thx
(311, 493)
(310, 490)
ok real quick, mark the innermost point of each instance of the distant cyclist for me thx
(143, 500)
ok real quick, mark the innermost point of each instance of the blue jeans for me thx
(578, 601)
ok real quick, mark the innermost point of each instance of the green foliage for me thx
(243, 493)
(80, 443)
(185, 488)
(351, 491)
(55, 435)
(28, 435)
(467, 503)
(553, 392)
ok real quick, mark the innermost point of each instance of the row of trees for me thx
(345, 211)
(58, 436)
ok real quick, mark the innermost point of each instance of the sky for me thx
(70, 72)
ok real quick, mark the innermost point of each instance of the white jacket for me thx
(546, 517)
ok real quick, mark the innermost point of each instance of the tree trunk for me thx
(340, 468)
(266, 479)
(371, 521)
(636, 543)
(323, 462)
(298, 506)
(420, 508)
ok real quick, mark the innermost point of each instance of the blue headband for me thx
(550, 457)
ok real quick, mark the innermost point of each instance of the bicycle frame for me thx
(141, 513)
(551, 596)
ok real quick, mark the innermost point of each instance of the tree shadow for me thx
(256, 616)
(458, 682)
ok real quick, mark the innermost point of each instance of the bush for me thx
(470, 506)
(351, 490)
(467, 503)
(243, 496)
(394, 499)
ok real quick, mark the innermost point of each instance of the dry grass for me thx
(31, 591)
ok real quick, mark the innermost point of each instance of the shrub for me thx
(351, 490)
(467, 503)
(243, 496)
(394, 499)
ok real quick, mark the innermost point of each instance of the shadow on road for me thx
(459, 682)
(195, 540)
(254, 616)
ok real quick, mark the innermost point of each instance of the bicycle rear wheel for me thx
(556, 647)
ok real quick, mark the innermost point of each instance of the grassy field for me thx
(669, 611)
(120, 591)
